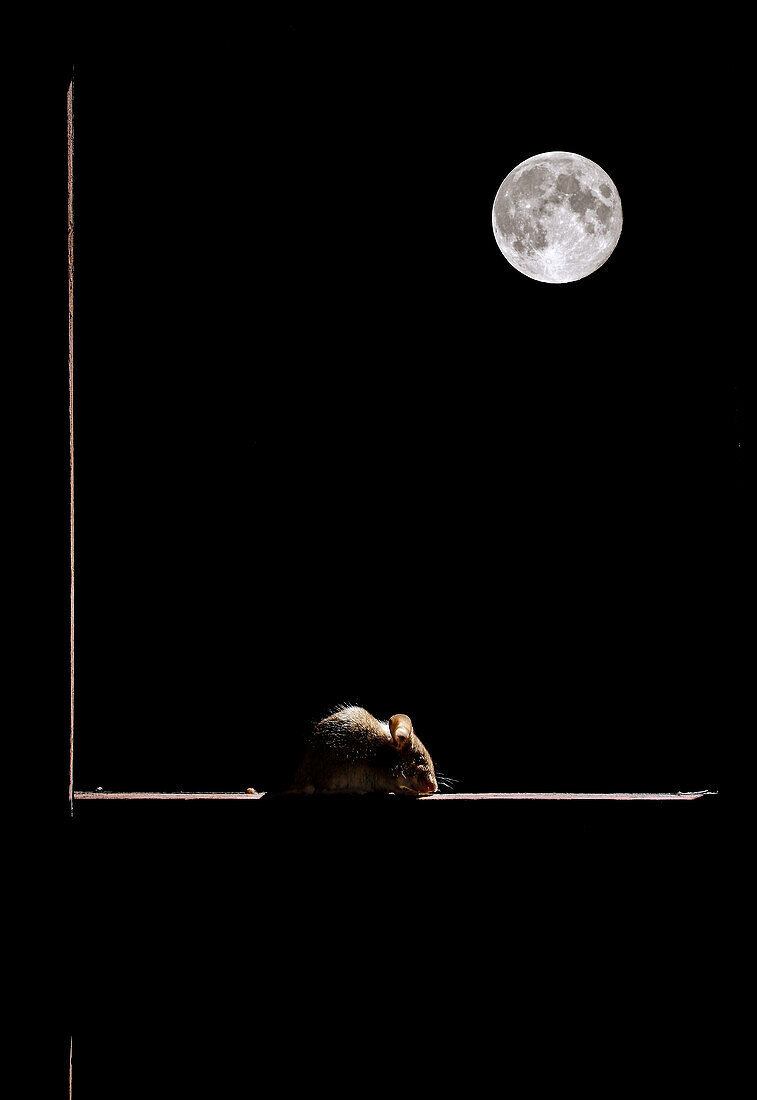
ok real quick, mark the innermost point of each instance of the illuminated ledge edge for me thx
(232, 796)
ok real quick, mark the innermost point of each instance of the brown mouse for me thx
(351, 752)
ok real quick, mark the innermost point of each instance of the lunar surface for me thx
(557, 217)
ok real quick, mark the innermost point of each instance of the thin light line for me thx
(70, 130)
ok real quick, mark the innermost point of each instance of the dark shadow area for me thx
(214, 942)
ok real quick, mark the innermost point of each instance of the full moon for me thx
(557, 217)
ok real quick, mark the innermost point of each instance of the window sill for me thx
(233, 796)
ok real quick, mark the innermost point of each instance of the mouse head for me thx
(416, 769)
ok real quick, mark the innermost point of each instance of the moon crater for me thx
(557, 217)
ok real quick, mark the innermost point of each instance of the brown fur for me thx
(351, 752)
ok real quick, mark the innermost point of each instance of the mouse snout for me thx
(420, 784)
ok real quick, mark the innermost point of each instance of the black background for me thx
(331, 447)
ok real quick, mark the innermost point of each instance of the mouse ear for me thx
(401, 729)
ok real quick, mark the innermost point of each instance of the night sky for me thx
(331, 447)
